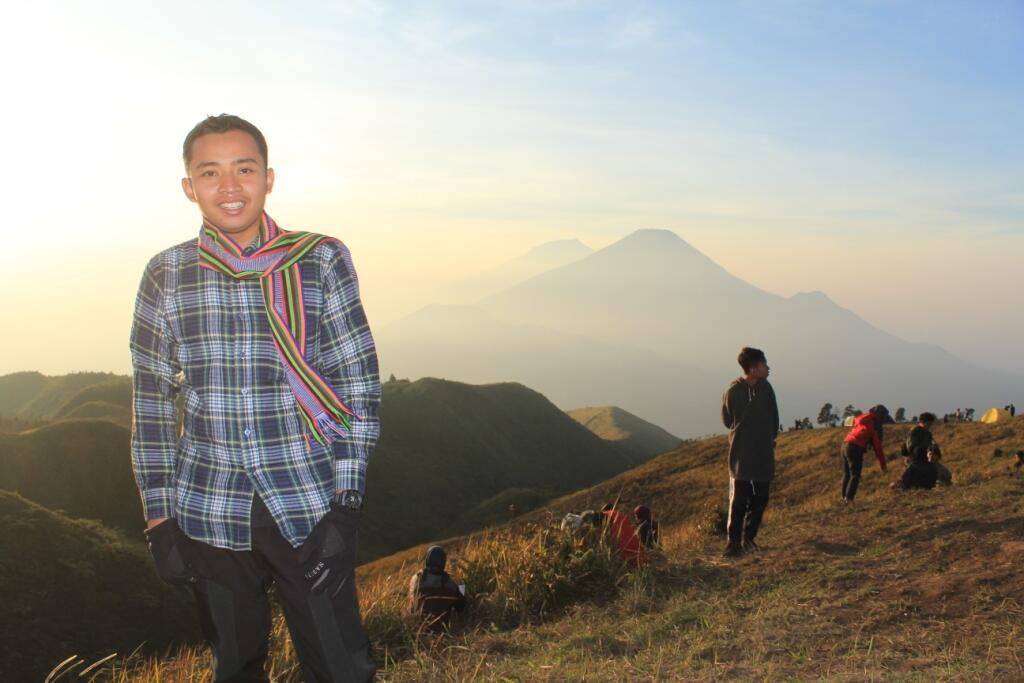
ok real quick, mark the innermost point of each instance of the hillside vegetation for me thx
(453, 457)
(908, 586)
(506, 446)
(82, 467)
(634, 435)
(109, 399)
(71, 587)
(34, 395)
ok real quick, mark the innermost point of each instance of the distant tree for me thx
(901, 415)
(849, 411)
(392, 378)
(806, 423)
(827, 417)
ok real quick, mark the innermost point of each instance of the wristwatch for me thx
(349, 498)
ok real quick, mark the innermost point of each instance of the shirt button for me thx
(245, 392)
(248, 432)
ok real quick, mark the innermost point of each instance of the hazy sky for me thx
(872, 150)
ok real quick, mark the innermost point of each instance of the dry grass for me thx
(909, 586)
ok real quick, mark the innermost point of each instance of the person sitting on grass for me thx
(921, 472)
(433, 595)
(623, 535)
(867, 428)
(942, 473)
(582, 524)
(646, 526)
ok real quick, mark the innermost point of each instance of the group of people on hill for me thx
(632, 538)
(959, 415)
(750, 412)
(433, 596)
(922, 453)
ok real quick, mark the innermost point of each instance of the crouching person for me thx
(921, 450)
(867, 430)
(433, 594)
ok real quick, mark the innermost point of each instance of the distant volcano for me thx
(652, 300)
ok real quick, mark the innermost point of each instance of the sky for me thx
(870, 150)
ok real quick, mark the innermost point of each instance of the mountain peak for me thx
(813, 296)
(652, 236)
(559, 248)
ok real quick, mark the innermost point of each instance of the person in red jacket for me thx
(867, 429)
(624, 535)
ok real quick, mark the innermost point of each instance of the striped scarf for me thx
(276, 265)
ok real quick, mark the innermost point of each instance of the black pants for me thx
(747, 501)
(234, 610)
(853, 463)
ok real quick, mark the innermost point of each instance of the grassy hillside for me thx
(636, 436)
(905, 586)
(110, 399)
(72, 587)
(82, 467)
(453, 457)
(501, 444)
(17, 388)
(33, 395)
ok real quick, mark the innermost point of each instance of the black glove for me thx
(328, 556)
(175, 554)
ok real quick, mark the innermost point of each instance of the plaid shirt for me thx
(206, 336)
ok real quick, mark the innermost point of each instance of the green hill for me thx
(453, 457)
(109, 399)
(33, 395)
(72, 587)
(82, 467)
(636, 436)
(18, 388)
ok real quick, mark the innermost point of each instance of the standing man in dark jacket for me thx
(751, 413)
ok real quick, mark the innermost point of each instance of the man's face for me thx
(760, 371)
(228, 179)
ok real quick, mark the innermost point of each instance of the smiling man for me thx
(262, 333)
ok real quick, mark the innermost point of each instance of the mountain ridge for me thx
(654, 296)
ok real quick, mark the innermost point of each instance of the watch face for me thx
(352, 499)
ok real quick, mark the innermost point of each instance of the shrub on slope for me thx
(446, 447)
(79, 466)
(72, 587)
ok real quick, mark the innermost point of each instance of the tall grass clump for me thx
(511, 579)
(518, 579)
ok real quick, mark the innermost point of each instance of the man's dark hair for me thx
(926, 418)
(750, 357)
(222, 124)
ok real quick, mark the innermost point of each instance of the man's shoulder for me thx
(733, 384)
(179, 254)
